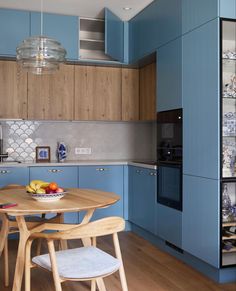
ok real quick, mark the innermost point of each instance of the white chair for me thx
(79, 264)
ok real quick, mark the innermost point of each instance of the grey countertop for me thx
(142, 164)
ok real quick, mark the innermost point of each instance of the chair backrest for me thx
(12, 186)
(101, 227)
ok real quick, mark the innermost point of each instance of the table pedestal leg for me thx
(63, 243)
(86, 219)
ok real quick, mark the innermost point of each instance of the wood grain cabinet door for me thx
(130, 94)
(13, 91)
(148, 92)
(51, 97)
(97, 93)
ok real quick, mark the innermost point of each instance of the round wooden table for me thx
(74, 201)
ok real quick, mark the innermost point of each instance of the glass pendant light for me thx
(40, 54)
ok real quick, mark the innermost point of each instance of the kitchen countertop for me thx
(140, 163)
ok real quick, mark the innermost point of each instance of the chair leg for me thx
(123, 278)
(63, 244)
(57, 281)
(101, 285)
(6, 264)
(39, 245)
(93, 285)
(28, 264)
(121, 269)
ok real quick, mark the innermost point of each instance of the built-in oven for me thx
(169, 184)
(169, 158)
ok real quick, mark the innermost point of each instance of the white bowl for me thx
(48, 197)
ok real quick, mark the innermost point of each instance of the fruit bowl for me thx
(52, 197)
(45, 191)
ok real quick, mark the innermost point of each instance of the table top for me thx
(75, 200)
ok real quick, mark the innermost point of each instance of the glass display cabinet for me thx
(228, 142)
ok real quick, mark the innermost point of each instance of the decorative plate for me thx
(48, 197)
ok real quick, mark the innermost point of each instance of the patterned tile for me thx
(19, 142)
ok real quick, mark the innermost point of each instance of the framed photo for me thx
(43, 154)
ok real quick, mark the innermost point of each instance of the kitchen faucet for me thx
(2, 155)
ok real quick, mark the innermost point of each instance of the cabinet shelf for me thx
(229, 60)
(92, 44)
(95, 40)
(92, 39)
(233, 236)
(233, 250)
(229, 98)
(225, 224)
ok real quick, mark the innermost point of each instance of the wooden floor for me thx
(147, 269)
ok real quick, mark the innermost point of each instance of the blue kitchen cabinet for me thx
(196, 13)
(105, 178)
(114, 36)
(63, 28)
(142, 197)
(157, 24)
(134, 40)
(14, 28)
(169, 224)
(228, 8)
(201, 223)
(14, 175)
(65, 177)
(201, 146)
(169, 76)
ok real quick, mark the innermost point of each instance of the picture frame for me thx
(43, 154)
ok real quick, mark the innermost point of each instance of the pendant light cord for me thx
(41, 30)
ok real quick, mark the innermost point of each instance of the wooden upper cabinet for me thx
(13, 91)
(51, 97)
(148, 92)
(97, 93)
(130, 94)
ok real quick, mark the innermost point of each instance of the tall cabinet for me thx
(201, 230)
(228, 142)
(209, 102)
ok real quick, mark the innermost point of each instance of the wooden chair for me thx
(12, 228)
(79, 264)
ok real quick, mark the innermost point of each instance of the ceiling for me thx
(85, 8)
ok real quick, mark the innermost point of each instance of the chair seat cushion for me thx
(81, 263)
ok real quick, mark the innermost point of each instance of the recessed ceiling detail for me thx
(85, 8)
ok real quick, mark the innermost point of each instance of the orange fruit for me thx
(53, 186)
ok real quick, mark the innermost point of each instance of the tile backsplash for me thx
(108, 140)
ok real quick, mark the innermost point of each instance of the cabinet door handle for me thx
(138, 171)
(54, 171)
(152, 174)
(102, 169)
(2, 172)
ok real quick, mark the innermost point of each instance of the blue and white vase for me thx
(61, 151)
